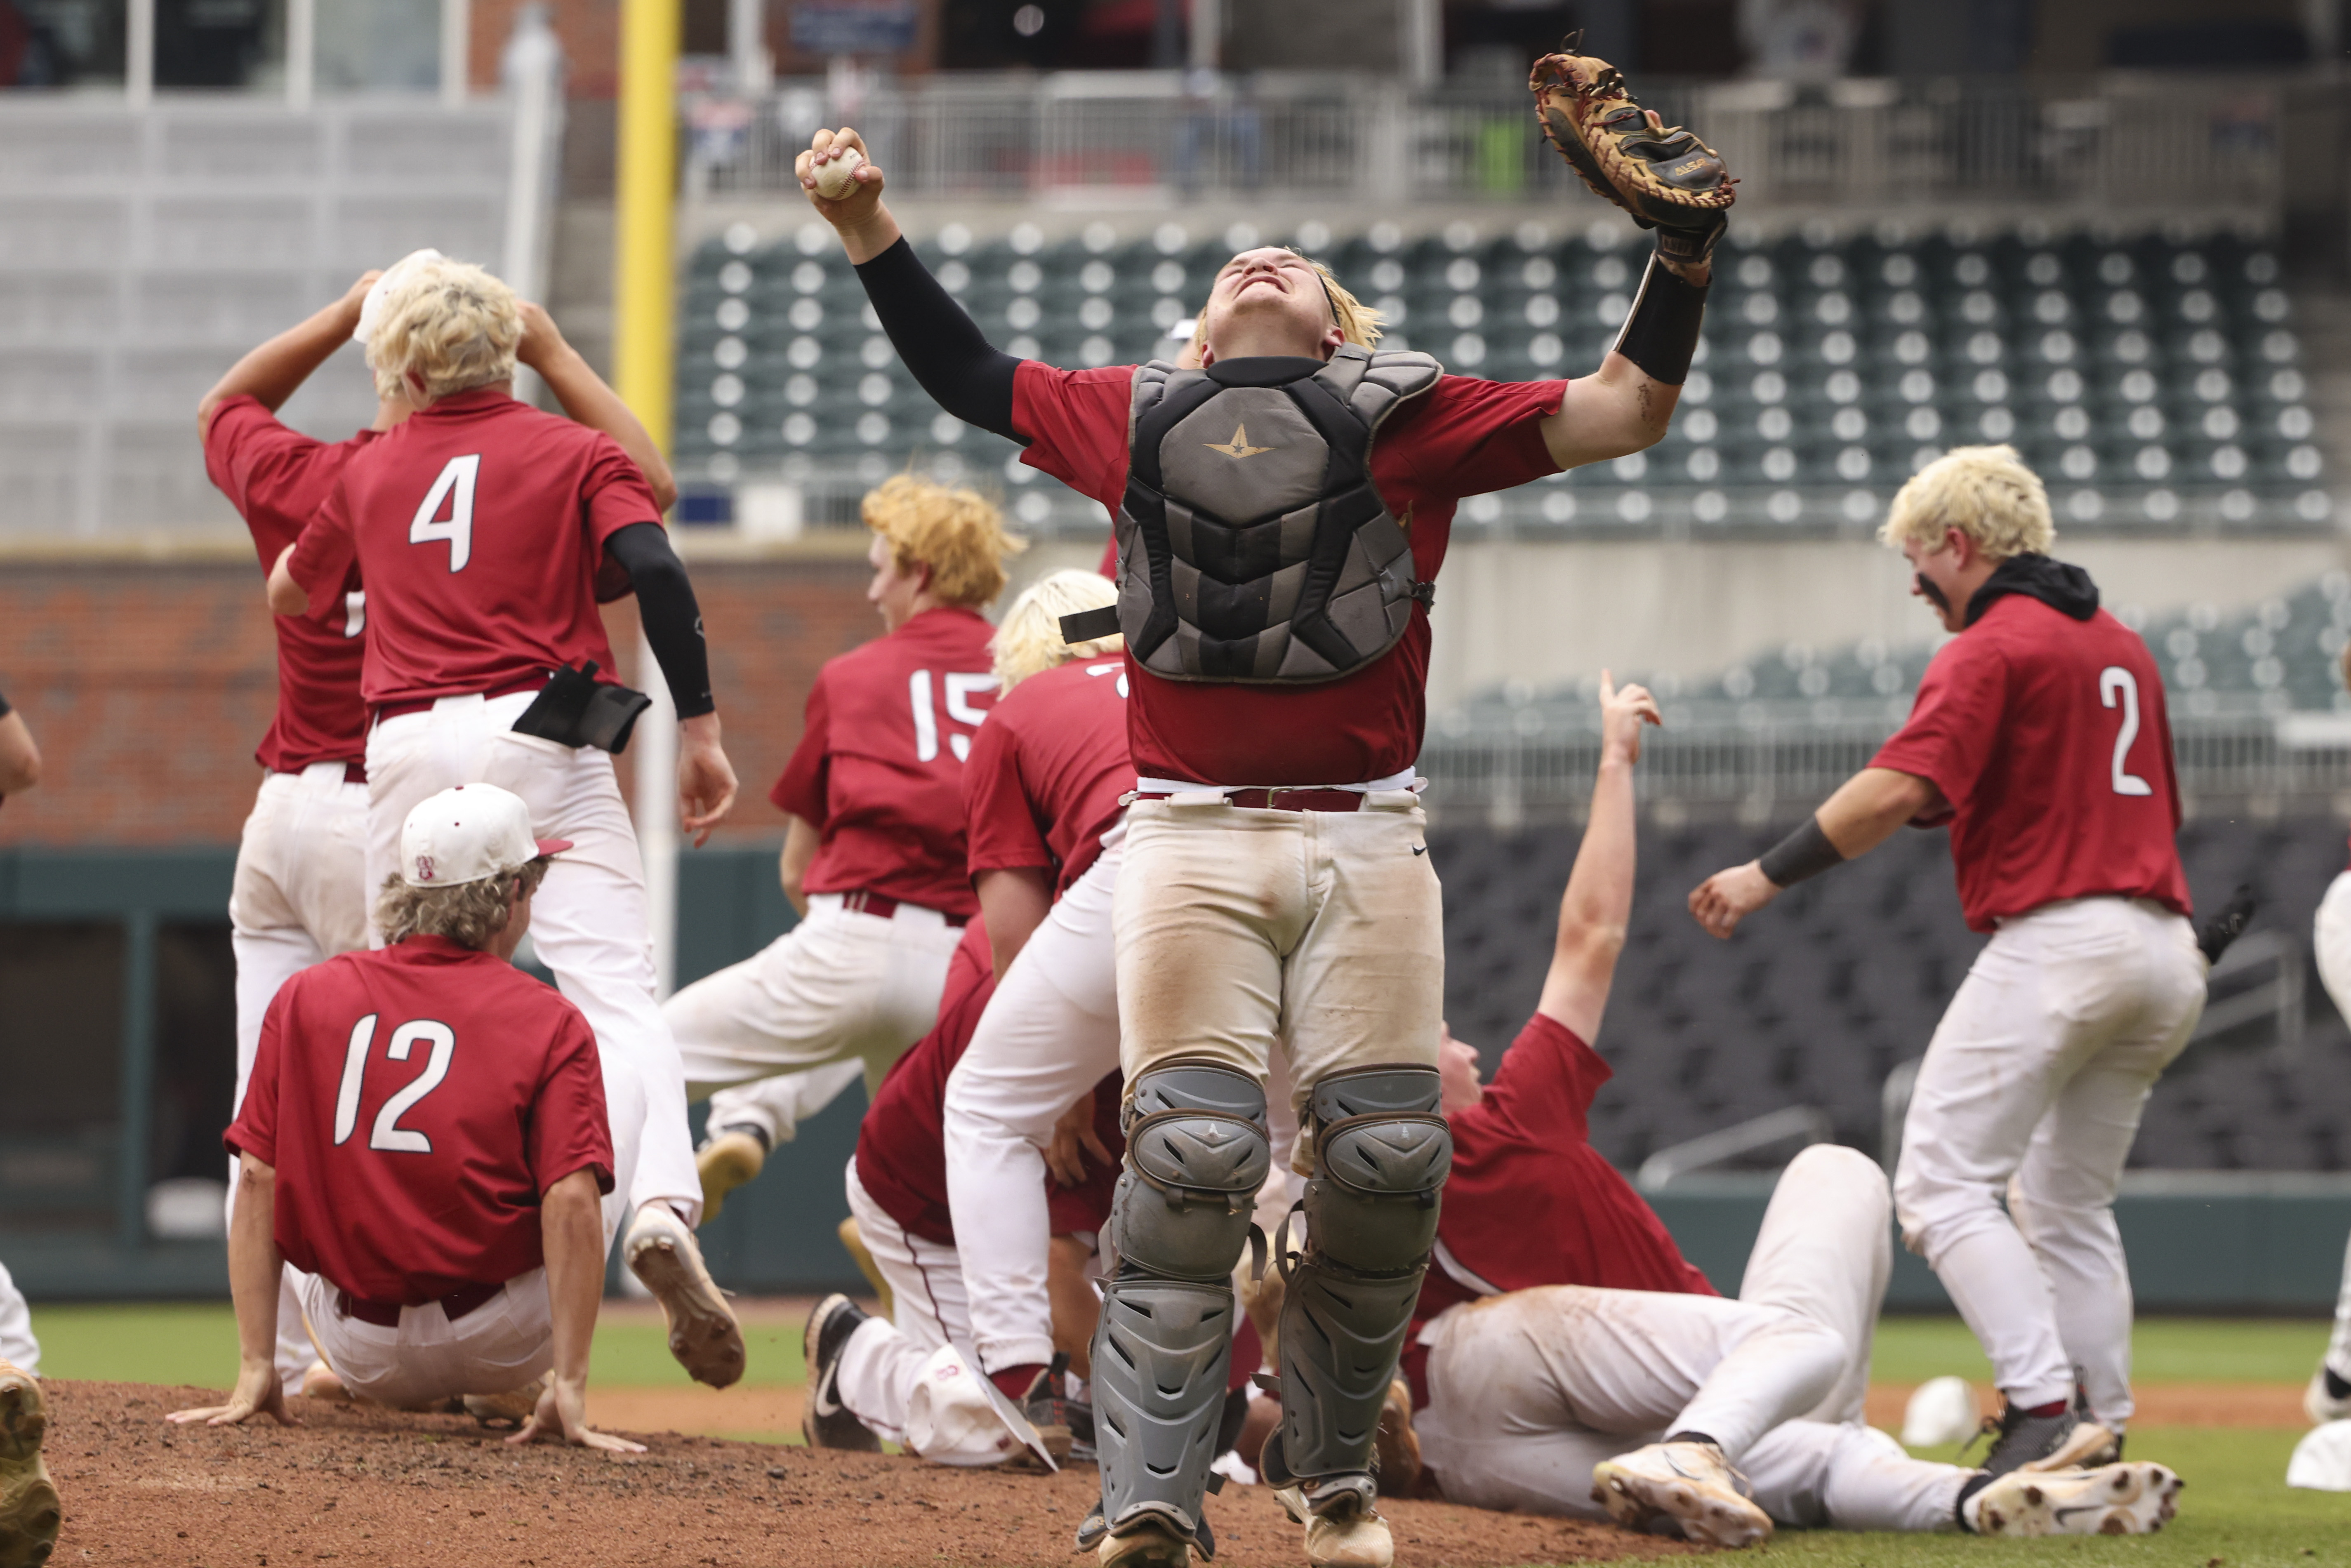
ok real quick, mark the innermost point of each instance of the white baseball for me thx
(837, 177)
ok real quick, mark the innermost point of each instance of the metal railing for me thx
(2118, 141)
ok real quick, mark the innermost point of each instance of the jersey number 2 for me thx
(2116, 683)
(388, 1134)
(454, 487)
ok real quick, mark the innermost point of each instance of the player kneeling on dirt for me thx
(439, 1118)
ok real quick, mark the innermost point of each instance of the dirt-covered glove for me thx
(1664, 175)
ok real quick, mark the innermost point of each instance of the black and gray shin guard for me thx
(1197, 1153)
(1381, 1154)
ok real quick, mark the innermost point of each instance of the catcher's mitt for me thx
(1664, 175)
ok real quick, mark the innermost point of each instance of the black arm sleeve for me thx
(964, 373)
(673, 621)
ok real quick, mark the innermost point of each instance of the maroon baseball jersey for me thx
(1531, 1202)
(278, 479)
(478, 528)
(1463, 438)
(1047, 772)
(415, 1102)
(2049, 739)
(879, 768)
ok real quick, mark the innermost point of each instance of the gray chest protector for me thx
(1252, 545)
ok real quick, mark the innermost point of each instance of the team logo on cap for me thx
(425, 868)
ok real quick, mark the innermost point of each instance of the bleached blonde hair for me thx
(1029, 642)
(1985, 492)
(447, 328)
(1359, 323)
(954, 532)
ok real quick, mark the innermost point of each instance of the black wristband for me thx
(1806, 852)
(1660, 335)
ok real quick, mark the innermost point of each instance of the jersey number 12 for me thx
(2118, 685)
(388, 1134)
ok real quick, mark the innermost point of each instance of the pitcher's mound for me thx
(355, 1487)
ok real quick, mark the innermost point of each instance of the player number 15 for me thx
(2118, 685)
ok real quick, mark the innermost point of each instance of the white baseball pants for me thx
(1048, 1035)
(590, 923)
(2032, 1085)
(1530, 1390)
(497, 1347)
(18, 1345)
(842, 985)
(300, 897)
(777, 1105)
(2331, 944)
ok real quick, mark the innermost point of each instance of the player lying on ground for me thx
(300, 892)
(464, 625)
(438, 1117)
(1541, 1383)
(1041, 794)
(1275, 882)
(874, 847)
(2039, 735)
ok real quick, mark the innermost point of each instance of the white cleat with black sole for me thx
(2130, 1499)
(1690, 1484)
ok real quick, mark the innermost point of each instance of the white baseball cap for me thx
(469, 835)
(371, 305)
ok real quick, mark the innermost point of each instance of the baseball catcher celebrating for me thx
(1280, 515)
(2039, 736)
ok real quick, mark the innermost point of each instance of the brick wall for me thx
(148, 686)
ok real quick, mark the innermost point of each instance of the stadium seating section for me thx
(2155, 379)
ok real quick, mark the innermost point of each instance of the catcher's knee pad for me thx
(1382, 1153)
(1197, 1152)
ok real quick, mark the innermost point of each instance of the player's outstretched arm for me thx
(255, 1268)
(589, 400)
(940, 345)
(571, 1230)
(1619, 411)
(1598, 903)
(672, 622)
(1863, 814)
(277, 370)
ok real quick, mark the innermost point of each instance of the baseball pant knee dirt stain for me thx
(882, 1361)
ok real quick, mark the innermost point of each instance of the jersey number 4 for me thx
(2116, 684)
(455, 488)
(388, 1134)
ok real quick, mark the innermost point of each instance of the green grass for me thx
(2163, 1349)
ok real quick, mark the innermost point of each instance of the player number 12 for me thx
(387, 1133)
(2115, 683)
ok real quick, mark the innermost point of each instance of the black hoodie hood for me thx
(2061, 585)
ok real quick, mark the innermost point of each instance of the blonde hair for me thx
(447, 328)
(1358, 323)
(1029, 643)
(954, 532)
(1985, 492)
(468, 913)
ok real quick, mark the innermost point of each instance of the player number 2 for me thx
(388, 1134)
(454, 487)
(2118, 685)
(960, 689)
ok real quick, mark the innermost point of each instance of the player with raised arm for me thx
(2039, 735)
(1281, 514)
(874, 847)
(487, 662)
(299, 894)
(438, 1117)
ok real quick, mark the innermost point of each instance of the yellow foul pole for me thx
(644, 247)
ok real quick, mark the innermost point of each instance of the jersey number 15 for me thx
(2116, 684)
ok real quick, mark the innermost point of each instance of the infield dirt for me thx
(357, 1487)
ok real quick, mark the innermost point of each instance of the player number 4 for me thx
(387, 1133)
(454, 487)
(960, 689)
(2118, 685)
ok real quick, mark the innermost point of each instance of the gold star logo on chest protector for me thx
(1238, 447)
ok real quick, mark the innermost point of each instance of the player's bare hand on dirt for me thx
(706, 780)
(819, 170)
(540, 336)
(258, 1392)
(1623, 712)
(562, 1416)
(1728, 897)
(1073, 1139)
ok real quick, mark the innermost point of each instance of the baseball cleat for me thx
(702, 1333)
(825, 1422)
(1396, 1448)
(2065, 1441)
(1046, 1406)
(2319, 1403)
(1343, 1529)
(1692, 1484)
(29, 1511)
(511, 1410)
(1149, 1542)
(2135, 1499)
(729, 1158)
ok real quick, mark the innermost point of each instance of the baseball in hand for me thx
(837, 177)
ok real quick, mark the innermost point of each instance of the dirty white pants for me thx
(2032, 1086)
(498, 1346)
(2331, 942)
(777, 1105)
(18, 1345)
